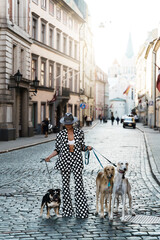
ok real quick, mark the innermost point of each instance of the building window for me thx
(58, 41)
(132, 94)
(43, 111)
(43, 33)
(43, 70)
(64, 18)
(64, 80)
(51, 8)
(14, 57)
(76, 82)
(70, 48)
(51, 76)
(76, 26)
(75, 110)
(91, 95)
(70, 23)
(58, 77)
(51, 37)
(70, 108)
(65, 45)
(34, 68)
(22, 61)
(70, 80)
(44, 4)
(75, 51)
(58, 13)
(34, 28)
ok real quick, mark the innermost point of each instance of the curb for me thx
(150, 157)
(37, 143)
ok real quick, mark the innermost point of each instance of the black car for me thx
(129, 122)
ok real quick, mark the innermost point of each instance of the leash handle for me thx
(87, 155)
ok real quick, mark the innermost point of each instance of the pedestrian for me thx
(69, 146)
(117, 119)
(45, 124)
(112, 119)
(100, 118)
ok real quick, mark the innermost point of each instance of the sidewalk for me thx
(152, 140)
(24, 142)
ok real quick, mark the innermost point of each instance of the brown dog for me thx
(104, 185)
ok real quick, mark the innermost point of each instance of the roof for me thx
(118, 100)
(73, 5)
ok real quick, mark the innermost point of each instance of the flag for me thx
(127, 90)
(53, 99)
(158, 80)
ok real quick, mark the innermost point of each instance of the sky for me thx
(120, 18)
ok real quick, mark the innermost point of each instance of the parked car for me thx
(129, 122)
(123, 117)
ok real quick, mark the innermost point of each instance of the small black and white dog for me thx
(52, 200)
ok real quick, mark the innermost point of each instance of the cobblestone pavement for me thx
(24, 180)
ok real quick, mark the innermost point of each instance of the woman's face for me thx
(69, 127)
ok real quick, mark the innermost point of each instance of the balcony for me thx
(63, 93)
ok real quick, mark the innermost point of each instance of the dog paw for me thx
(59, 215)
(122, 219)
(133, 213)
(101, 215)
(111, 219)
(48, 216)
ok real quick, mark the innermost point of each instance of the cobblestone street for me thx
(24, 180)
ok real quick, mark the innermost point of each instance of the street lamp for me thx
(18, 78)
(35, 85)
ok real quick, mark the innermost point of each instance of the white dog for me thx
(121, 187)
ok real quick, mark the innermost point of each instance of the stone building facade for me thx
(55, 59)
(15, 44)
(147, 94)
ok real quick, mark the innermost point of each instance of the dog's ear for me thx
(49, 190)
(113, 169)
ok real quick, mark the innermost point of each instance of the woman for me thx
(69, 146)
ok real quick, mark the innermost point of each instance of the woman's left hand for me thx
(89, 148)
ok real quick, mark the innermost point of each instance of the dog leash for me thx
(43, 159)
(97, 157)
(87, 156)
(103, 157)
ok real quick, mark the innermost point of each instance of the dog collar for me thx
(109, 184)
(122, 172)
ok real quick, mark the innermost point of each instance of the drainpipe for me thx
(154, 89)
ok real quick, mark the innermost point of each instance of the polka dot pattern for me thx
(71, 162)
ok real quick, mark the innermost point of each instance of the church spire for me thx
(129, 51)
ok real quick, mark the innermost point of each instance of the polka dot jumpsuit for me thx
(72, 162)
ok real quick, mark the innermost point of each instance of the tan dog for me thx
(104, 185)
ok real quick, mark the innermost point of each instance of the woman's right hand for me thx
(47, 159)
